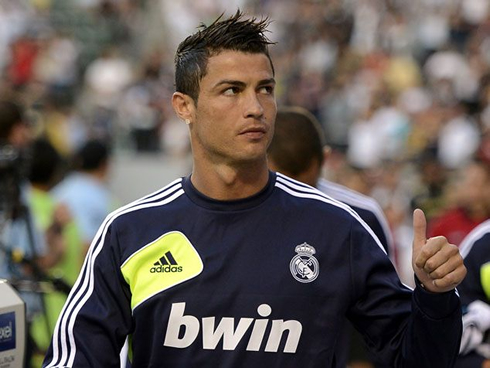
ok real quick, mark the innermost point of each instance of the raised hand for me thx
(437, 264)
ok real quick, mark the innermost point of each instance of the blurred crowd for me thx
(401, 88)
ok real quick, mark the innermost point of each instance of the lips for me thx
(254, 133)
(254, 130)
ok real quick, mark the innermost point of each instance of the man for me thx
(85, 191)
(45, 169)
(475, 296)
(298, 150)
(468, 207)
(475, 289)
(234, 266)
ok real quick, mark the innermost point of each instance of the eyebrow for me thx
(267, 81)
(231, 82)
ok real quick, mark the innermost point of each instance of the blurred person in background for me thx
(428, 193)
(458, 138)
(475, 298)
(61, 125)
(298, 150)
(28, 250)
(465, 204)
(45, 171)
(105, 80)
(475, 248)
(85, 191)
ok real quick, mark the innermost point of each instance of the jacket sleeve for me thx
(403, 328)
(96, 318)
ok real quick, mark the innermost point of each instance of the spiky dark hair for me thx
(234, 33)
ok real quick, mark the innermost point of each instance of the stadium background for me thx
(401, 88)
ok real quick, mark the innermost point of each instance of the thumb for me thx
(419, 230)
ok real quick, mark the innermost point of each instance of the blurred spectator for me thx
(364, 146)
(13, 21)
(55, 221)
(142, 119)
(56, 68)
(85, 191)
(62, 126)
(467, 204)
(105, 80)
(458, 139)
(28, 252)
(450, 75)
(142, 112)
(428, 193)
(24, 51)
(475, 298)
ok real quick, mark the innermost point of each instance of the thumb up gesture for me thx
(437, 264)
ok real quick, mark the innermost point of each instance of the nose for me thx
(253, 107)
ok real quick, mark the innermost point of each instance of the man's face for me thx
(20, 135)
(474, 185)
(233, 121)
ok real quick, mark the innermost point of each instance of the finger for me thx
(451, 280)
(419, 230)
(446, 268)
(437, 252)
(429, 250)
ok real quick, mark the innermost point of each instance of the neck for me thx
(41, 187)
(477, 212)
(228, 183)
(97, 174)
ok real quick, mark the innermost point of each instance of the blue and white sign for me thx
(7, 331)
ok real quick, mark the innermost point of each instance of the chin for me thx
(251, 159)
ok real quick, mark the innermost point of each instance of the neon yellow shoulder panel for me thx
(168, 261)
(485, 278)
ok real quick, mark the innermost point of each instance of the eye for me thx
(266, 90)
(231, 91)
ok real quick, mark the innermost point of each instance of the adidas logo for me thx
(166, 263)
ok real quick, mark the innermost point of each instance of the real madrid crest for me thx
(304, 266)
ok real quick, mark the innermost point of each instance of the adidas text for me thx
(231, 336)
(166, 269)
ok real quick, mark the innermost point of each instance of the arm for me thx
(55, 239)
(96, 318)
(404, 329)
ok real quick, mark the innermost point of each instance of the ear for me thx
(327, 150)
(184, 106)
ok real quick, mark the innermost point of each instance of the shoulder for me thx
(477, 240)
(332, 210)
(349, 196)
(312, 197)
(367, 207)
(158, 199)
(453, 214)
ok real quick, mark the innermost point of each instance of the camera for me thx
(13, 170)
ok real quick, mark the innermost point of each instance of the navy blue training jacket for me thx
(266, 281)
